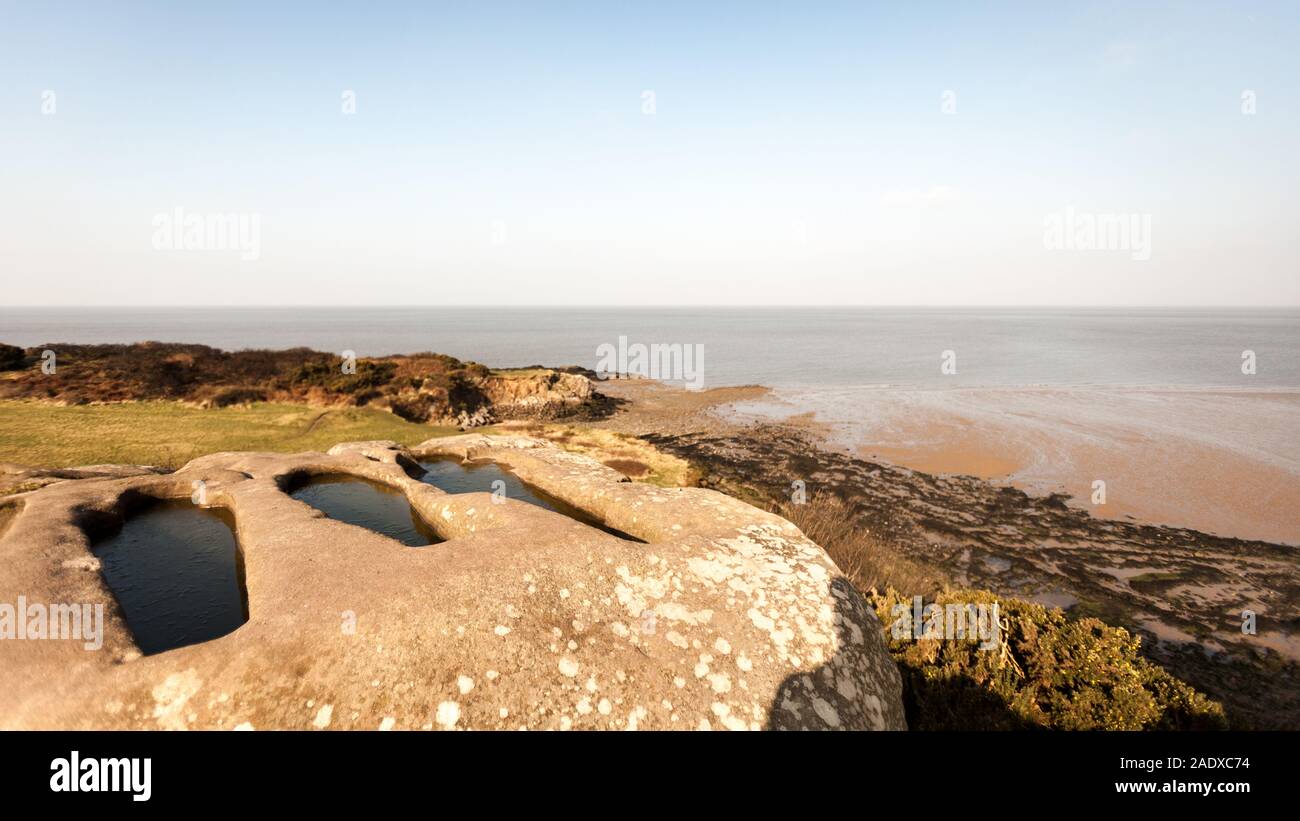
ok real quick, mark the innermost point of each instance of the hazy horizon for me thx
(653, 306)
(827, 345)
(675, 156)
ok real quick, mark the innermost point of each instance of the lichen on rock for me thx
(725, 617)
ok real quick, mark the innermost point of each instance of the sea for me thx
(804, 348)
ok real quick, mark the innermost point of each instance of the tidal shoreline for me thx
(1182, 590)
(1218, 460)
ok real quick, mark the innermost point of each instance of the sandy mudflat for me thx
(1179, 456)
(649, 405)
(1220, 461)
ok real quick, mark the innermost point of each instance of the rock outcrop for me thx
(545, 395)
(725, 617)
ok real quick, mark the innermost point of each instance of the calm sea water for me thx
(798, 347)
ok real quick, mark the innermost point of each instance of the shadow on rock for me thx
(859, 688)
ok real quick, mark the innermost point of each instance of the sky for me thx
(650, 153)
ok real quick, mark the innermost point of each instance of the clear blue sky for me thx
(796, 154)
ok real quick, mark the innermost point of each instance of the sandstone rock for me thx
(726, 617)
(549, 395)
(18, 478)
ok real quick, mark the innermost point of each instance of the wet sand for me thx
(1224, 462)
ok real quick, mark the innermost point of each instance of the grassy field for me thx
(170, 434)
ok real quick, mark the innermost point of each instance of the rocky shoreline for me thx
(1183, 591)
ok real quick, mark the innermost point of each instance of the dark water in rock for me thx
(455, 476)
(365, 504)
(176, 572)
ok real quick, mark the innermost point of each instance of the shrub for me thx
(11, 357)
(1049, 672)
(867, 561)
(243, 395)
(327, 374)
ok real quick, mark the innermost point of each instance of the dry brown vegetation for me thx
(420, 387)
(869, 562)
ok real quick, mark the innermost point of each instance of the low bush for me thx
(1048, 670)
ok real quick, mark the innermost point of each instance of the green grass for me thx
(519, 373)
(170, 434)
